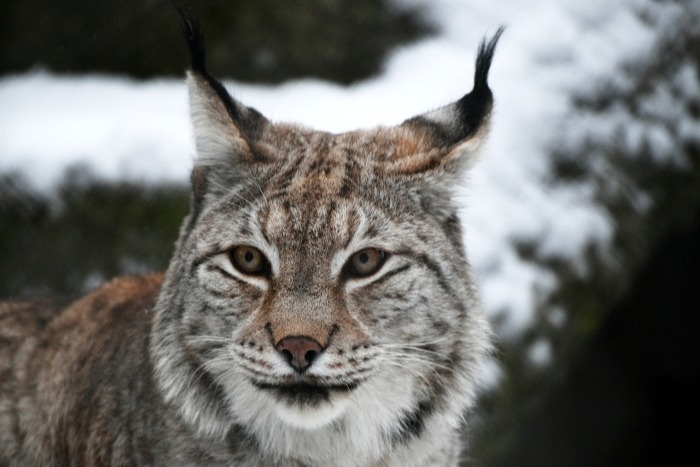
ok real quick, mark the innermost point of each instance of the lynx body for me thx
(318, 310)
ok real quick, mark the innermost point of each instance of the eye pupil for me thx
(363, 257)
(249, 257)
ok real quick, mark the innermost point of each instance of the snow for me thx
(551, 51)
(118, 128)
(540, 353)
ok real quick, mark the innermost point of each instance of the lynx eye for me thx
(365, 262)
(249, 260)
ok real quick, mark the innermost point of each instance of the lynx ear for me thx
(456, 131)
(435, 148)
(224, 129)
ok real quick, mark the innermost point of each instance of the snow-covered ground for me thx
(551, 51)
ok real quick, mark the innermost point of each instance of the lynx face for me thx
(320, 285)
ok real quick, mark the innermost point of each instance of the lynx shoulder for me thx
(318, 310)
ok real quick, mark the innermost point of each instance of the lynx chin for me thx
(319, 308)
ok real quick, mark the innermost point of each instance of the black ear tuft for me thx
(476, 105)
(483, 61)
(195, 39)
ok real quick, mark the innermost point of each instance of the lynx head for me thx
(320, 279)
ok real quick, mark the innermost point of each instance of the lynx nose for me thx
(299, 351)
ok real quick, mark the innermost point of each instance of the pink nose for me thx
(299, 351)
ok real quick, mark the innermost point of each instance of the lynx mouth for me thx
(306, 394)
(308, 405)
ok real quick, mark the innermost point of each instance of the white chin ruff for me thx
(311, 418)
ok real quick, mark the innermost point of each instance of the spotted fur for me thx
(189, 368)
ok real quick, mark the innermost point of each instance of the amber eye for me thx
(365, 262)
(249, 260)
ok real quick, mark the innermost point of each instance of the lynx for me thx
(319, 309)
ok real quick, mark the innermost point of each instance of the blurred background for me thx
(596, 235)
